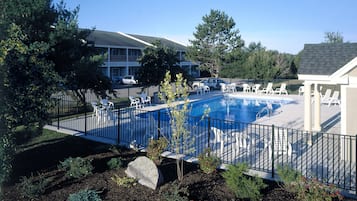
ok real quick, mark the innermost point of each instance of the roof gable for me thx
(326, 58)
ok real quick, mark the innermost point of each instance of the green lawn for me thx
(30, 138)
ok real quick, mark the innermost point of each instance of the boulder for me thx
(145, 171)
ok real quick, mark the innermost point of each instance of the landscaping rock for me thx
(145, 171)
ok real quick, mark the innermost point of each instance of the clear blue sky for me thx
(283, 25)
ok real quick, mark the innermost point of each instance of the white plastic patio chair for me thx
(95, 109)
(232, 87)
(102, 115)
(281, 144)
(246, 88)
(224, 87)
(110, 110)
(301, 90)
(268, 89)
(135, 102)
(206, 89)
(145, 99)
(281, 89)
(256, 88)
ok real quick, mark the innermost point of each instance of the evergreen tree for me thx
(214, 40)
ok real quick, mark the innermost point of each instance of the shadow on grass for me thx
(48, 154)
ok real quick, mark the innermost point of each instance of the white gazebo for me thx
(330, 64)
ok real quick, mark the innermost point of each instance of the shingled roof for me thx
(164, 41)
(107, 38)
(326, 58)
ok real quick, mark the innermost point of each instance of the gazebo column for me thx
(307, 107)
(317, 108)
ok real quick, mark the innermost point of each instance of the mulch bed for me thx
(44, 159)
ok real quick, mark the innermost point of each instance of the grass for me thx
(30, 138)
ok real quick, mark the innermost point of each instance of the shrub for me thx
(114, 163)
(155, 148)
(32, 187)
(85, 195)
(243, 186)
(176, 193)
(306, 189)
(7, 150)
(289, 177)
(313, 190)
(115, 149)
(76, 167)
(208, 163)
(124, 181)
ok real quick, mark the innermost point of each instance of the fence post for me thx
(355, 161)
(58, 115)
(119, 116)
(85, 115)
(209, 131)
(272, 151)
(158, 125)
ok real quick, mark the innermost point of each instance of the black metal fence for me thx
(331, 158)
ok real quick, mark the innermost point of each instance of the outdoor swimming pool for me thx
(241, 109)
(234, 108)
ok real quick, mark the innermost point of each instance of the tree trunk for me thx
(179, 165)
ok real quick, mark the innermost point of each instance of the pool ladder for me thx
(268, 109)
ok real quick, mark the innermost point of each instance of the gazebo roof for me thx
(326, 58)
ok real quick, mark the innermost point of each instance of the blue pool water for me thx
(232, 108)
(237, 109)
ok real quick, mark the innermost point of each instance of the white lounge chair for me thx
(246, 88)
(256, 88)
(281, 89)
(325, 99)
(219, 137)
(334, 99)
(280, 142)
(242, 142)
(268, 89)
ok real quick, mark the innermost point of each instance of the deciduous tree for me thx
(76, 59)
(333, 37)
(155, 62)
